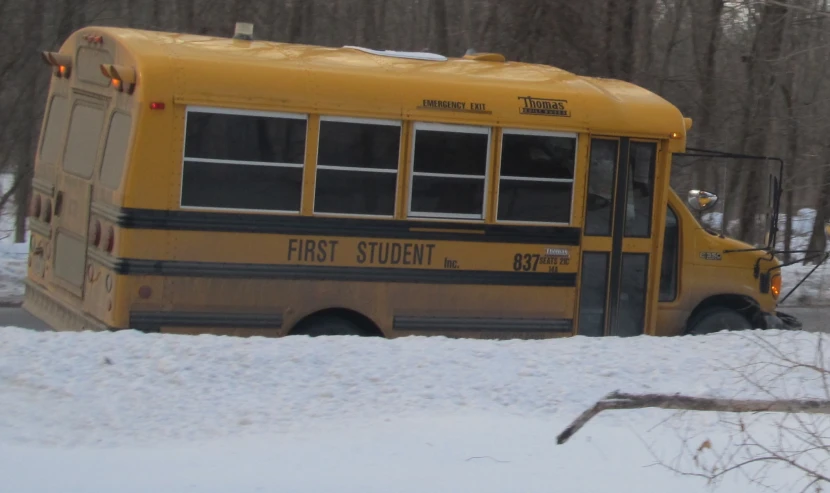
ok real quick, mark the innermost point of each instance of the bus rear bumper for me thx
(55, 313)
(782, 321)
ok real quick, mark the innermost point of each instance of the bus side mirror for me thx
(701, 200)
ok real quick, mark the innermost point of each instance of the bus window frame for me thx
(127, 148)
(572, 181)
(652, 176)
(397, 170)
(242, 112)
(455, 128)
(61, 143)
(678, 259)
(95, 103)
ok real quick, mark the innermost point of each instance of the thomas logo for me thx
(544, 107)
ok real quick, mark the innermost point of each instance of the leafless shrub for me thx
(772, 430)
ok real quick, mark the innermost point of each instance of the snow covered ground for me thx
(130, 412)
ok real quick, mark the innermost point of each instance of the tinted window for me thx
(56, 122)
(671, 250)
(243, 162)
(115, 151)
(640, 189)
(454, 153)
(240, 186)
(82, 142)
(357, 168)
(534, 201)
(449, 171)
(536, 178)
(601, 174)
(632, 307)
(452, 196)
(245, 138)
(355, 192)
(362, 145)
(538, 156)
(592, 294)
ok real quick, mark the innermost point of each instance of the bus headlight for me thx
(775, 286)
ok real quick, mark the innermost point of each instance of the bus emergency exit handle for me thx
(58, 203)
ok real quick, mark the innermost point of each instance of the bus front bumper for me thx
(782, 321)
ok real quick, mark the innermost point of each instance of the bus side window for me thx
(671, 251)
(449, 171)
(536, 177)
(357, 167)
(234, 160)
(601, 187)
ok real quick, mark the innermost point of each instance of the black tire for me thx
(717, 319)
(327, 325)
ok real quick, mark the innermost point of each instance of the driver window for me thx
(671, 250)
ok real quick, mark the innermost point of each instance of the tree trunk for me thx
(762, 77)
(818, 237)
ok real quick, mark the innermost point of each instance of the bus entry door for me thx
(617, 237)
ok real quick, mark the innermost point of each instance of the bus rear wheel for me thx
(717, 319)
(327, 325)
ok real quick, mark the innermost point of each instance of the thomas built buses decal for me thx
(544, 107)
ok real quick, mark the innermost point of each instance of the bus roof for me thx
(358, 82)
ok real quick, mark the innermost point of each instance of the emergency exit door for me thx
(617, 237)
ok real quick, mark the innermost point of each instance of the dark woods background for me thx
(753, 74)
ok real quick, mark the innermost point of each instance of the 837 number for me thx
(526, 262)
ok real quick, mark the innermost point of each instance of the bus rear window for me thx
(56, 120)
(115, 152)
(82, 142)
(243, 161)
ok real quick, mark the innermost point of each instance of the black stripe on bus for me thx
(175, 268)
(481, 324)
(151, 320)
(235, 222)
(617, 236)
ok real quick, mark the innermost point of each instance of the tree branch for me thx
(617, 400)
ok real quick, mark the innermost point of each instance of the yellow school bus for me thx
(196, 184)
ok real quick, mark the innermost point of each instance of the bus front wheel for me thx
(717, 319)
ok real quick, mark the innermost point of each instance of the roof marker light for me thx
(122, 77)
(62, 63)
(244, 30)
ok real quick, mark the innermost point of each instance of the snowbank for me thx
(138, 412)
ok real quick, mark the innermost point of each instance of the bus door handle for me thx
(58, 203)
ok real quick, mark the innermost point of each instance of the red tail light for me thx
(156, 106)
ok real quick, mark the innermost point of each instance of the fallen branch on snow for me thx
(617, 400)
